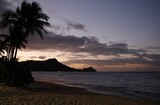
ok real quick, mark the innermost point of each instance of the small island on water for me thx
(53, 65)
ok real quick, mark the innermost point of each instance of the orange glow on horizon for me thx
(64, 57)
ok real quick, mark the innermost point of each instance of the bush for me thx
(2, 69)
(15, 74)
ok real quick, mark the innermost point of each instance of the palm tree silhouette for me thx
(14, 41)
(27, 20)
(3, 47)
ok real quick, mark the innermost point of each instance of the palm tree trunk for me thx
(15, 54)
(12, 53)
(9, 53)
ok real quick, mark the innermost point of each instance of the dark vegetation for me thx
(14, 74)
(25, 21)
(53, 65)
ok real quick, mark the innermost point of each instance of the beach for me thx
(46, 93)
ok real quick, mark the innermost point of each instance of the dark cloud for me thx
(32, 57)
(83, 44)
(115, 61)
(76, 26)
(73, 25)
(4, 5)
(90, 45)
(119, 45)
(55, 41)
(153, 47)
(42, 57)
(58, 28)
(151, 57)
(60, 55)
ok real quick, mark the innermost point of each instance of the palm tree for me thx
(13, 41)
(3, 47)
(36, 20)
(27, 20)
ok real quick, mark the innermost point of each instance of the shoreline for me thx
(89, 90)
(108, 92)
(48, 93)
(108, 83)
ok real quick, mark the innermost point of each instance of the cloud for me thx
(42, 57)
(32, 57)
(79, 47)
(115, 61)
(55, 41)
(119, 45)
(73, 25)
(151, 57)
(75, 44)
(76, 26)
(67, 25)
(4, 5)
(153, 47)
(58, 28)
(134, 64)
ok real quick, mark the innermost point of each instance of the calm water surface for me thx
(145, 85)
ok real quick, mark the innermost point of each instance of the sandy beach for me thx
(45, 93)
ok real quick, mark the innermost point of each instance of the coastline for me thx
(109, 92)
(47, 93)
(121, 84)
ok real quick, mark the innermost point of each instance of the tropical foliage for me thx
(27, 20)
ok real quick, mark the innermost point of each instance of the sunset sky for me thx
(109, 35)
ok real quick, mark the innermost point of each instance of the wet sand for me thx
(46, 93)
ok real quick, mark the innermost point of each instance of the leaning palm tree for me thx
(13, 41)
(3, 47)
(28, 19)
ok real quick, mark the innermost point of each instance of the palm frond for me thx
(8, 18)
(42, 16)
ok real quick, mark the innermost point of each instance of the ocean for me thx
(133, 84)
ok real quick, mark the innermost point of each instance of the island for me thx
(53, 65)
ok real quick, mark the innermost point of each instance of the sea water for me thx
(145, 85)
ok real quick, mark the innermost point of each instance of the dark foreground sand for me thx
(43, 93)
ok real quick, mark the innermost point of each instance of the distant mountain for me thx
(53, 65)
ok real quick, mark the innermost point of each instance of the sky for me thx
(109, 35)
